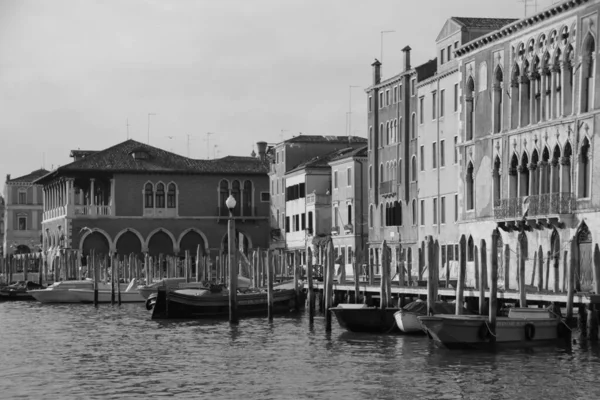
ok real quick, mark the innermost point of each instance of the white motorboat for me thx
(60, 292)
(407, 317)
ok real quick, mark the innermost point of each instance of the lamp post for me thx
(233, 318)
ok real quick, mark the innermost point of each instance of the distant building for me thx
(530, 103)
(23, 214)
(286, 156)
(2, 207)
(135, 198)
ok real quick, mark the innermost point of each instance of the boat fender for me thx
(529, 331)
(150, 303)
(484, 332)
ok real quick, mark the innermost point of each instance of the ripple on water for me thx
(78, 351)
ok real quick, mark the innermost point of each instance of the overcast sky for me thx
(73, 71)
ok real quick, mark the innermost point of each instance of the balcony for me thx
(335, 230)
(318, 199)
(348, 228)
(387, 188)
(540, 209)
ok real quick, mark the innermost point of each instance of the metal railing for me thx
(313, 198)
(535, 206)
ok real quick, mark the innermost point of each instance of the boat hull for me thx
(368, 319)
(184, 304)
(105, 296)
(460, 331)
(60, 291)
(408, 322)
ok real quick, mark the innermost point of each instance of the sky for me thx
(85, 74)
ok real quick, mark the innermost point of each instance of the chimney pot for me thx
(406, 52)
(376, 72)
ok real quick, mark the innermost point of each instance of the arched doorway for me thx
(97, 242)
(190, 242)
(129, 243)
(584, 278)
(160, 243)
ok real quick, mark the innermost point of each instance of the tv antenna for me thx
(215, 151)
(189, 138)
(208, 144)
(526, 4)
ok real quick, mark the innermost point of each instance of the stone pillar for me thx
(497, 103)
(544, 93)
(564, 96)
(533, 112)
(92, 192)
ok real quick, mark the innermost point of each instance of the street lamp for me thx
(233, 318)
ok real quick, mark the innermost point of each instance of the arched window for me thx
(160, 195)
(557, 77)
(513, 179)
(171, 196)
(399, 171)
(470, 187)
(370, 177)
(568, 81)
(247, 199)
(413, 167)
(223, 195)
(524, 176)
(370, 137)
(388, 133)
(545, 172)
(555, 169)
(565, 168)
(413, 125)
(235, 192)
(534, 173)
(149, 195)
(395, 131)
(398, 213)
(470, 89)
(536, 82)
(524, 91)
(587, 73)
(497, 186)
(498, 91)
(399, 129)
(584, 169)
(371, 216)
(381, 142)
(414, 212)
(381, 179)
(381, 215)
(514, 97)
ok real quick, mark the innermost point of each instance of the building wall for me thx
(31, 210)
(560, 211)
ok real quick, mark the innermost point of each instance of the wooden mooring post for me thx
(233, 274)
(296, 283)
(120, 269)
(356, 273)
(329, 284)
(270, 272)
(570, 278)
(462, 267)
(521, 255)
(384, 295)
(96, 269)
(493, 285)
(311, 289)
(428, 263)
(113, 259)
(483, 276)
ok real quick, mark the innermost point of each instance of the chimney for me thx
(376, 72)
(406, 52)
(262, 150)
(7, 177)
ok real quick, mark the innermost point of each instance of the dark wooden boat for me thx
(198, 303)
(360, 318)
(19, 291)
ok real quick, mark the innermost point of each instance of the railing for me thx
(386, 187)
(103, 210)
(54, 213)
(313, 198)
(537, 205)
(83, 210)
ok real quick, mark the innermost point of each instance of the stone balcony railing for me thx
(78, 211)
(543, 205)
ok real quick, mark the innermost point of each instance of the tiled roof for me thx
(82, 153)
(31, 177)
(325, 138)
(120, 158)
(483, 23)
(322, 161)
(358, 152)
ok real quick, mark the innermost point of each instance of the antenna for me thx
(189, 138)
(350, 109)
(215, 151)
(526, 4)
(208, 144)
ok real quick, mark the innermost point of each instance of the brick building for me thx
(22, 221)
(529, 108)
(135, 198)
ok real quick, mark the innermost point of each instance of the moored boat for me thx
(105, 296)
(361, 318)
(174, 283)
(407, 317)
(522, 327)
(59, 292)
(213, 302)
(19, 290)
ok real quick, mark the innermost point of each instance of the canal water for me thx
(82, 352)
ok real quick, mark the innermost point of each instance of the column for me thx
(497, 104)
(533, 179)
(544, 93)
(554, 106)
(112, 203)
(563, 85)
(533, 90)
(92, 206)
